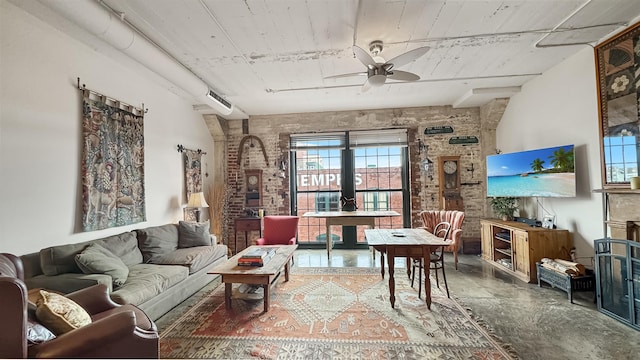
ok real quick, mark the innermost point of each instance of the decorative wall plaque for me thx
(462, 140)
(433, 130)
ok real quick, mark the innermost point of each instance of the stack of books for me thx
(256, 257)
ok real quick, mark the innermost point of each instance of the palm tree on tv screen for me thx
(562, 160)
(536, 165)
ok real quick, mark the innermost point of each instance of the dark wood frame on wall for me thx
(617, 62)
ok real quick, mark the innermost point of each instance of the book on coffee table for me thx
(256, 257)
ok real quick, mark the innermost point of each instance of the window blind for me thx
(335, 140)
(377, 138)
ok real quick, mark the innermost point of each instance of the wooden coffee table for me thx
(264, 276)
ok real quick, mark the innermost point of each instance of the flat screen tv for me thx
(548, 172)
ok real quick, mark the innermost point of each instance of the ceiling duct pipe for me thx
(101, 22)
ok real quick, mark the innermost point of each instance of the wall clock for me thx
(449, 171)
(254, 187)
(449, 177)
(253, 181)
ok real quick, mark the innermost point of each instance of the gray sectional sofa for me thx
(154, 268)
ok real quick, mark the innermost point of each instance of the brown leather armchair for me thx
(116, 331)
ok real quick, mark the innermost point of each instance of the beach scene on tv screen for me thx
(547, 172)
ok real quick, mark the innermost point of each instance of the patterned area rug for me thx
(330, 313)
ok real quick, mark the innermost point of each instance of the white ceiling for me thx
(271, 56)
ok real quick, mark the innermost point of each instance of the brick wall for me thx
(274, 131)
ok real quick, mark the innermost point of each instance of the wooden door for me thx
(520, 244)
(487, 242)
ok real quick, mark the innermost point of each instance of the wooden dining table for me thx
(409, 243)
(347, 218)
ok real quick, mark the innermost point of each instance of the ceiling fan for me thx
(378, 70)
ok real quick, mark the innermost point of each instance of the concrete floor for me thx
(539, 323)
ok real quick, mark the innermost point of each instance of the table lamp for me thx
(197, 201)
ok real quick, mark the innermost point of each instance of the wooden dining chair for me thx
(436, 259)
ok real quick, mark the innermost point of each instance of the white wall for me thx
(560, 108)
(40, 134)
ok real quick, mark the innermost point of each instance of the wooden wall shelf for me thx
(617, 191)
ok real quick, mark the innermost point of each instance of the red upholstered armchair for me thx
(115, 331)
(279, 230)
(430, 218)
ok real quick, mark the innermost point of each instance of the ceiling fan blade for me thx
(408, 57)
(346, 75)
(366, 86)
(403, 76)
(363, 56)
(375, 80)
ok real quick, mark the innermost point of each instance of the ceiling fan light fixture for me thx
(379, 69)
(375, 47)
(377, 80)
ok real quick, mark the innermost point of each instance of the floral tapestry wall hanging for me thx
(112, 164)
(193, 171)
(193, 177)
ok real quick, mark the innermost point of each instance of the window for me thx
(621, 157)
(379, 181)
(317, 181)
(327, 201)
(376, 162)
(378, 200)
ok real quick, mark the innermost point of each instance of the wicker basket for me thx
(565, 282)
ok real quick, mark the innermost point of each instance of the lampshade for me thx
(196, 200)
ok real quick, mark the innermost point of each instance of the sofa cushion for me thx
(60, 259)
(195, 258)
(148, 280)
(68, 282)
(124, 246)
(193, 234)
(95, 259)
(157, 241)
(60, 314)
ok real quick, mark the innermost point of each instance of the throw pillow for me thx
(60, 314)
(36, 332)
(157, 241)
(193, 234)
(95, 259)
(124, 246)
